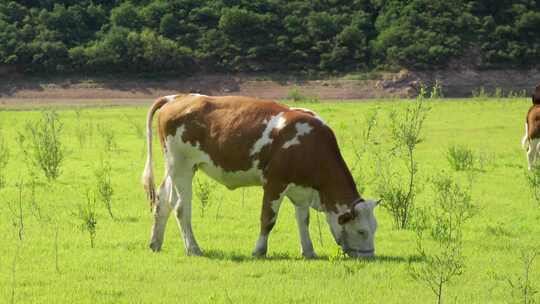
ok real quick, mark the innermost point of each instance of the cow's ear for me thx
(345, 217)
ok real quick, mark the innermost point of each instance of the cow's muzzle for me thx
(360, 253)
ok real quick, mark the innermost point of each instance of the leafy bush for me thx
(533, 180)
(87, 215)
(461, 158)
(444, 222)
(104, 188)
(399, 196)
(522, 287)
(436, 90)
(41, 143)
(296, 95)
(203, 189)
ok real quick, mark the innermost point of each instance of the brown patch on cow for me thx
(226, 128)
(316, 162)
(533, 122)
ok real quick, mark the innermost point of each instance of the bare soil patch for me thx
(21, 91)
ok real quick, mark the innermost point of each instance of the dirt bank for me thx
(403, 84)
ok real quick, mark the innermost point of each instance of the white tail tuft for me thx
(525, 137)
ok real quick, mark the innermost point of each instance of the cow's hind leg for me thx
(161, 213)
(182, 177)
(273, 195)
(533, 151)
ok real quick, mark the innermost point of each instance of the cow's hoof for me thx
(194, 252)
(259, 254)
(155, 247)
(309, 255)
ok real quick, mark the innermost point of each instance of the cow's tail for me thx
(525, 137)
(148, 173)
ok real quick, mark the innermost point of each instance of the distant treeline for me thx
(183, 36)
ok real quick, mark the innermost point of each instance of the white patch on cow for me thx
(197, 94)
(193, 155)
(310, 112)
(276, 122)
(302, 128)
(342, 208)
(170, 97)
(304, 196)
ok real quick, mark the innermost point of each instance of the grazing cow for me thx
(242, 141)
(532, 129)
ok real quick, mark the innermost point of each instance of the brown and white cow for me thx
(242, 141)
(531, 139)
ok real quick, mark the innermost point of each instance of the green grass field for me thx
(54, 262)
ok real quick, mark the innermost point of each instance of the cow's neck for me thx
(338, 188)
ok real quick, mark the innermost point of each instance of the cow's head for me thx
(354, 229)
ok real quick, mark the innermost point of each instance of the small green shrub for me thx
(104, 186)
(436, 90)
(444, 222)
(83, 131)
(87, 215)
(522, 288)
(399, 203)
(40, 143)
(360, 145)
(4, 158)
(296, 95)
(399, 195)
(498, 93)
(461, 158)
(204, 189)
(480, 93)
(109, 138)
(533, 180)
(17, 213)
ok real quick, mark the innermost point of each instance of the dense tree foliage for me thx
(147, 36)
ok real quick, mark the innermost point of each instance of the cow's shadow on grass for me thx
(215, 254)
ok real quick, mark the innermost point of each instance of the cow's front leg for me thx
(271, 202)
(182, 209)
(302, 219)
(161, 212)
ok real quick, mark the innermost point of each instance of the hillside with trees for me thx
(328, 36)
